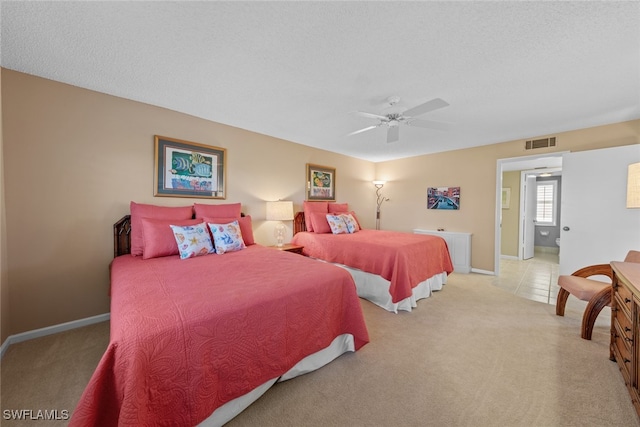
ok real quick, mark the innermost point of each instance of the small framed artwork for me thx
(445, 198)
(506, 197)
(321, 183)
(188, 169)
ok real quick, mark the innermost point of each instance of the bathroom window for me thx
(546, 203)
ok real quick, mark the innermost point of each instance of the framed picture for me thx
(188, 169)
(446, 198)
(506, 197)
(321, 183)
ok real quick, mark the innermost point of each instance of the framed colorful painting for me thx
(447, 198)
(188, 169)
(321, 183)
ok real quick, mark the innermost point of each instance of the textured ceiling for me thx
(298, 70)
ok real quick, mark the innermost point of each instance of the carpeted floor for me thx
(471, 355)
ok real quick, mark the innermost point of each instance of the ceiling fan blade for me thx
(393, 133)
(418, 110)
(370, 115)
(428, 124)
(363, 130)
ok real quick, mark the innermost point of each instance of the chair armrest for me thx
(594, 270)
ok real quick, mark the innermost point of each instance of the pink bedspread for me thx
(190, 335)
(404, 259)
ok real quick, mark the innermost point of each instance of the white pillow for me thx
(337, 224)
(352, 224)
(227, 237)
(192, 240)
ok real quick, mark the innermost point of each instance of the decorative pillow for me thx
(337, 224)
(192, 240)
(158, 237)
(140, 210)
(245, 227)
(227, 210)
(339, 207)
(353, 214)
(352, 224)
(319, 221)
(227, 237)
(309, 207)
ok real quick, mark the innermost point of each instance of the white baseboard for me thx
(479, 271)
(50, 330)
(509, 257)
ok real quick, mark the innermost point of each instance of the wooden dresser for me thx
(625, 325)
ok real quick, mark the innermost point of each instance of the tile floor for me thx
(535, 278)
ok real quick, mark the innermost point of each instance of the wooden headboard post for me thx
(298, 223)
(122, 236)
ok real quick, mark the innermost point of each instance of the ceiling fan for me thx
(393, 120)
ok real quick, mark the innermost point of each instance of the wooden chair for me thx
(597, 293)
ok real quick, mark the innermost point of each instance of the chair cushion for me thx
(632, 256)
(580, 287)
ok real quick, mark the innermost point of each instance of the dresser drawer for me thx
(623, 323)
(624, 296)
(623, 357)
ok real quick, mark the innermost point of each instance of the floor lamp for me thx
(379, 199)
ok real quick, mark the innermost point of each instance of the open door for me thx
(596, 226)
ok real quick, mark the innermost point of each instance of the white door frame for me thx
(539, 160)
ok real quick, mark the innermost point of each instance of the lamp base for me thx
(278, 232)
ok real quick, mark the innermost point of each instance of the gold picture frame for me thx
(321, 183)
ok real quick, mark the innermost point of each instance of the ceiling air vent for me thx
(540, 143)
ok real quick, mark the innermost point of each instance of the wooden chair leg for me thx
(561, 301)
(594, 307)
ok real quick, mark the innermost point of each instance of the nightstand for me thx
(289, 248)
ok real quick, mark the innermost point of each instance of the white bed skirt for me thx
(376, 289)
(341, 344)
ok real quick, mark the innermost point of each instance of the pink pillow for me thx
(140, 210)
(339, 207)
(320, 224)
(245, 227)
(309, 207)
(158, 237)
(228, 210)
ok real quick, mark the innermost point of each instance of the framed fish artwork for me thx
(188, 169)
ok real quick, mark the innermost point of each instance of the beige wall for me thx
(74, 159)
(510, 216)
(4, 282)
(474, 171)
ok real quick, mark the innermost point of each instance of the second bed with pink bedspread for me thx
(405, 260)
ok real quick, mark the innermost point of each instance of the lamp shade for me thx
(282, 210)
(633, 186)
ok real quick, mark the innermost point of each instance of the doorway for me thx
(511, 219)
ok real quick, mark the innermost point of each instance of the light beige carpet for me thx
(471, 355)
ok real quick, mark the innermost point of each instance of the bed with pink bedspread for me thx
(391, 269)
(191, 338)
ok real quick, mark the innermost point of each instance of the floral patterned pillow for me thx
(352, 224)
(337, 224)
(227, 237)
(192, 240)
